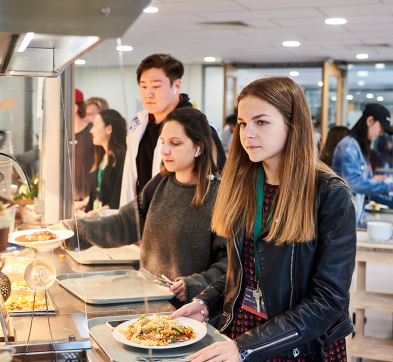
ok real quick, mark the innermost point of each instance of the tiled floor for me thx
(379, 278)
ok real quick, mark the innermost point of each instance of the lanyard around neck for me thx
(258, 216)
(99, 176)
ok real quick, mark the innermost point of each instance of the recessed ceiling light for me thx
(361, 56)
(380, 65)
(370, 95)
(26, 41)
(335, 21)
(349, 97)
(209, 59)
(294, 73)
(358, 93)
(361, 83)
(124, 48)
(320, 84)
(362, 73)
(80, 61)
(350, 66)
(380, 99)
(290, 43)
(151, 10)
(334, 98)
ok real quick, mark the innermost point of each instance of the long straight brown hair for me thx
(197, 128)
(293, 217)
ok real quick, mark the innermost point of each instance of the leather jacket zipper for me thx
(243, 355)
(239, 289)
(292, 257)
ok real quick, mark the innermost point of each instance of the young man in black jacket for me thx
(159, 78)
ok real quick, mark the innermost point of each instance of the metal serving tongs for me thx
(19, 169)
(42, 275)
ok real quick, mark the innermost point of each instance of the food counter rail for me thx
(71, 315)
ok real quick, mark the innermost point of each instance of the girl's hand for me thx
(378, 178)
(179, 289)
(193, 311)
(92, 213)
(57, 227)
(79, 205)
(227, 351)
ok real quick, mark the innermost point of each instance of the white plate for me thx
(61, 235)
(108, 212)
(199, 331)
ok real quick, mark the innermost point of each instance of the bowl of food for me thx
(108, 212)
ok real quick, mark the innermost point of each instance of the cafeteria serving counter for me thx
(72, 313)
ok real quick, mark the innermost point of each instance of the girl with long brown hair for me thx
(291, 229)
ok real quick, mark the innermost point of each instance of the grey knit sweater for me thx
(177, 240)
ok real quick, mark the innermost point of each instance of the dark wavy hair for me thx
(117, 140)
(336, 134)
(197, 128)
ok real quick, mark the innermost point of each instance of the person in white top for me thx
(159, 79)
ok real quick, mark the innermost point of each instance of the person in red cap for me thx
(84, 153)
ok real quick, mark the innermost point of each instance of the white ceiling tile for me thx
(343, 11)
(266, 14)
(260, 4)
(199, 6)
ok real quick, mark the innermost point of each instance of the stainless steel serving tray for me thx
(9, 261)
(122, 353)
(110, 287)
(124, 255)
(40, 311)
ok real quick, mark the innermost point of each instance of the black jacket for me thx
(305, 285)
(110, 184)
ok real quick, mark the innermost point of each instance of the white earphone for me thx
(174, 93)
(197, 152)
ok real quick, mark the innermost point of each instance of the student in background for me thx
(159, 78)
(227, 133)
(351, 159)
(336, 134)
(84, 152)
(95, 105)
(109, 138)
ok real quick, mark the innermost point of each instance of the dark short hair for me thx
(232, 119)
(81, 109)
(172, 67)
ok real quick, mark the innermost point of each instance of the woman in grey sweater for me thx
(175, 210)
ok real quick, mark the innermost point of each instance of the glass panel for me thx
(332, 110)
(33, 119)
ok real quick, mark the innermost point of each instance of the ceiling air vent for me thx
(378, 45)
(223, 25)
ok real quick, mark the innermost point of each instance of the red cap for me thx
(78, 96)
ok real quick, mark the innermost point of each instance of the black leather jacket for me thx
(305, 285)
